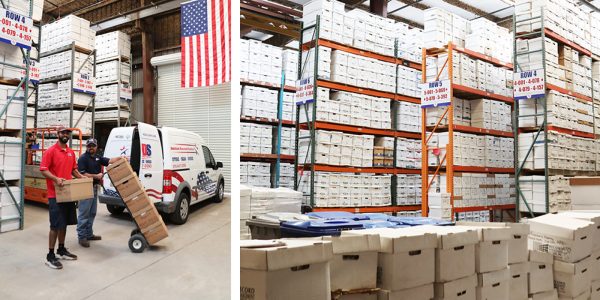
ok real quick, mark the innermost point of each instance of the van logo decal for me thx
(123, 150)
(205, 184)
(146, 150)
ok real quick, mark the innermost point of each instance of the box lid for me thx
(400, 239)
(77, 181)
(541, 257)
(560, 226)
(347, 243)
(586, 216)
(490, 278)
(287, 253)
(519, 269)
(582, 266)
(116, 163)
(449, 237)
(518, 228)
(487, 234)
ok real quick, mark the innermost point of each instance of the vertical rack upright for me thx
(17, 200)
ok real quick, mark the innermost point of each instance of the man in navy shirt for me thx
(90, 165)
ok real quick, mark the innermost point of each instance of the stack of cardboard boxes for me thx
(256, 174)
(565, 152)
(488, 38)
(348, 190)
(113, 44)
(408, 117)
(473, 150)
(67, 30)
(288, 140)
(56, 118)
(534, 191)
(108, 72)
(260, 62)
(383, 152)
(442, 27)
(10, 157)
(361, 71)
(8, 208)
(410, 42)
(408, 82)
(256, 138)
(408, 189)
(58, 95)
(408, 153)
(134, 195)
(59, 64)
(13, 117)
(337, 148)
(286, 175)
(259, 102)
(107, 96)
(290, 66)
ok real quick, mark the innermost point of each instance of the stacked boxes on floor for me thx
(142, 209)
(571, 242)
(57, 36)
(256, 201)
(348, 190)
(113, 72)
(337, 148)
(541, 276)
(405, 249)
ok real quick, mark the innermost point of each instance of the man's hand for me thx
(59, 181)
(98, 176)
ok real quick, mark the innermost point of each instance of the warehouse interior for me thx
(427, 149)
(96, 66)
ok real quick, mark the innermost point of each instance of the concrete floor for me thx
(192, 263)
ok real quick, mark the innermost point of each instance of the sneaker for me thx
(94, 238)
(84, 243)
(65, 254)
(52, 262)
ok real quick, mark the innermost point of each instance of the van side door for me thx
(151, 160)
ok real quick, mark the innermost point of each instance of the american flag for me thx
(205, 184)
(205, 42)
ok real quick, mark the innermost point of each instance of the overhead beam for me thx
(60, 6)
(415, 4)
(145, 11)
(269, 24)
(472, 9)
(262, 11)
(286, 11)
(94, 6)
(378, 7)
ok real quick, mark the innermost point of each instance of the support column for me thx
(379, 7)
(148, 71)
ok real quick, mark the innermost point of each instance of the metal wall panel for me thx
(205, 111)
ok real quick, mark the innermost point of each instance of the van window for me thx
(208, 157)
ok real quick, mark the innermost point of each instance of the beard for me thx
(64, 139)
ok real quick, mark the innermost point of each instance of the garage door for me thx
(205, 111)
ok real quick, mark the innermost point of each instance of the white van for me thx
(175, 167)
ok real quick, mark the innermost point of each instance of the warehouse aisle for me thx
(108, 270)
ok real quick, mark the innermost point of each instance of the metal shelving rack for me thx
(313, 124)
(544, 127)
(120, 107)
(464, 92)
(18, 200)
(91, 58)
(276, 158)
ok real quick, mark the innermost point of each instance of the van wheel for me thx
(182, 210)
(220, 192)
(115, 209)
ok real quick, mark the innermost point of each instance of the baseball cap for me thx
(63, 128)
(91, 142)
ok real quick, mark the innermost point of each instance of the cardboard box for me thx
(572, 279)
(155, 232)
(464, 288)
(424, 292)
(285, 269)
(583, 296)
(361, 296)
(455, 252)
(517, 246)
(595, 290)
(146, 217)
(518, 281)
(541, 277)
(595, 266)
(491, 253)
(119, 170)
(548, 295)
(354, 262)
(593, 217)
(568, 239)
(403, 249)
(493, 285)
(75, 190)
(129, 186)
(138, 202)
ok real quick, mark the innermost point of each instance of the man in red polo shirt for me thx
(58, 164)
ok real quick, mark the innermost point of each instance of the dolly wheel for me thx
(137, 243)
(135, 231)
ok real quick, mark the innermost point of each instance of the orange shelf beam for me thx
(555, 36)
(364, 53)
(461, 90)
(561, 130)
(567, 92)
(476, 130)
(362, 130)
(365, 91)
(258, 156)
(479, 208)
(379, 170)
(287, 123)
(483, 169)
(370, 209)
(267, 85)
(484, 57)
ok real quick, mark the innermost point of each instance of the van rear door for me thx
(151, 160)
(118, 144)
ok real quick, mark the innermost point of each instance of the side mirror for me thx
(219, 164)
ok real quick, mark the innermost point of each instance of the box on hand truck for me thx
(150, 226)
